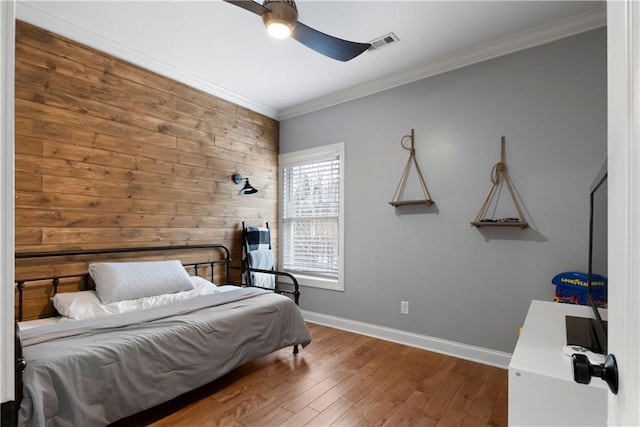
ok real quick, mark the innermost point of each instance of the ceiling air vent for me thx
(383, 41)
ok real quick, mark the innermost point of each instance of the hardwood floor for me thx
(344, 379)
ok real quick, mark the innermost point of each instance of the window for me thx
(312, 216)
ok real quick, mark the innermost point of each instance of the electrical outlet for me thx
(404, 307)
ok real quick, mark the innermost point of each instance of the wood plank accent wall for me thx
(111, 155)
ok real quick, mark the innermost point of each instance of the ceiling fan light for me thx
(281, 17)
(278, 30)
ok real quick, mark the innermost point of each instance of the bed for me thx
(140, 333)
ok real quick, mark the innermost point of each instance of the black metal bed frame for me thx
(10, 409)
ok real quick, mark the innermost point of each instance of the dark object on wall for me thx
(248, 188)
(281, 19)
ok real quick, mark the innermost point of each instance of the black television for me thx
(598, 255)
(591, 332)
(583, 368)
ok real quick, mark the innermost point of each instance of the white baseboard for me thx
(451, 348)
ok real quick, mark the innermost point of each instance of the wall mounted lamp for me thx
(248, 188)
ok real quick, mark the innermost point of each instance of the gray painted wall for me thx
(466, 284)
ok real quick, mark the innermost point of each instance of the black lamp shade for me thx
(248, 188)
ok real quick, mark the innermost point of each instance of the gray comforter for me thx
(91, 373)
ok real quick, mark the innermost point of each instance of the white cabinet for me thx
(541, 387)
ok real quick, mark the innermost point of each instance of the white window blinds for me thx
(311, 215)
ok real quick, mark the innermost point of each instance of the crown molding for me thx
(29, 13)
(557, 30)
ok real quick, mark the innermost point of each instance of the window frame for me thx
(305, 156)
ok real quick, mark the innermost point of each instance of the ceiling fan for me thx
(281, 19)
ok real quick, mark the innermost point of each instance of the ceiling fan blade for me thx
(249, 5)
(333, 47)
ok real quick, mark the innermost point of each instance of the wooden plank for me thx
(249, 160)
(262, 151)
(138, 148)
(27, 180)
(52, 149)
(89, 203)
(132, 190)
(28, 235)
(25, 126)
(48, 125)
(77, 218)
(258, 119)
(408, 411)
(26, 145)
(57, 165)
(174, 236)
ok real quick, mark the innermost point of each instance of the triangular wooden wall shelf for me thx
(500, 174)
(396, 202)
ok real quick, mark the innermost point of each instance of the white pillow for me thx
(200, 282)
(118, 281)
(86, 304)
(79, 305)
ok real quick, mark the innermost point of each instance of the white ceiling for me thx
(225, 50)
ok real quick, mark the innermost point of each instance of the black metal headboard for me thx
(20, 283)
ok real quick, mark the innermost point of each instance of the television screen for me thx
(597, 286)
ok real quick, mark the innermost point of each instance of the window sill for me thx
(316, 282)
